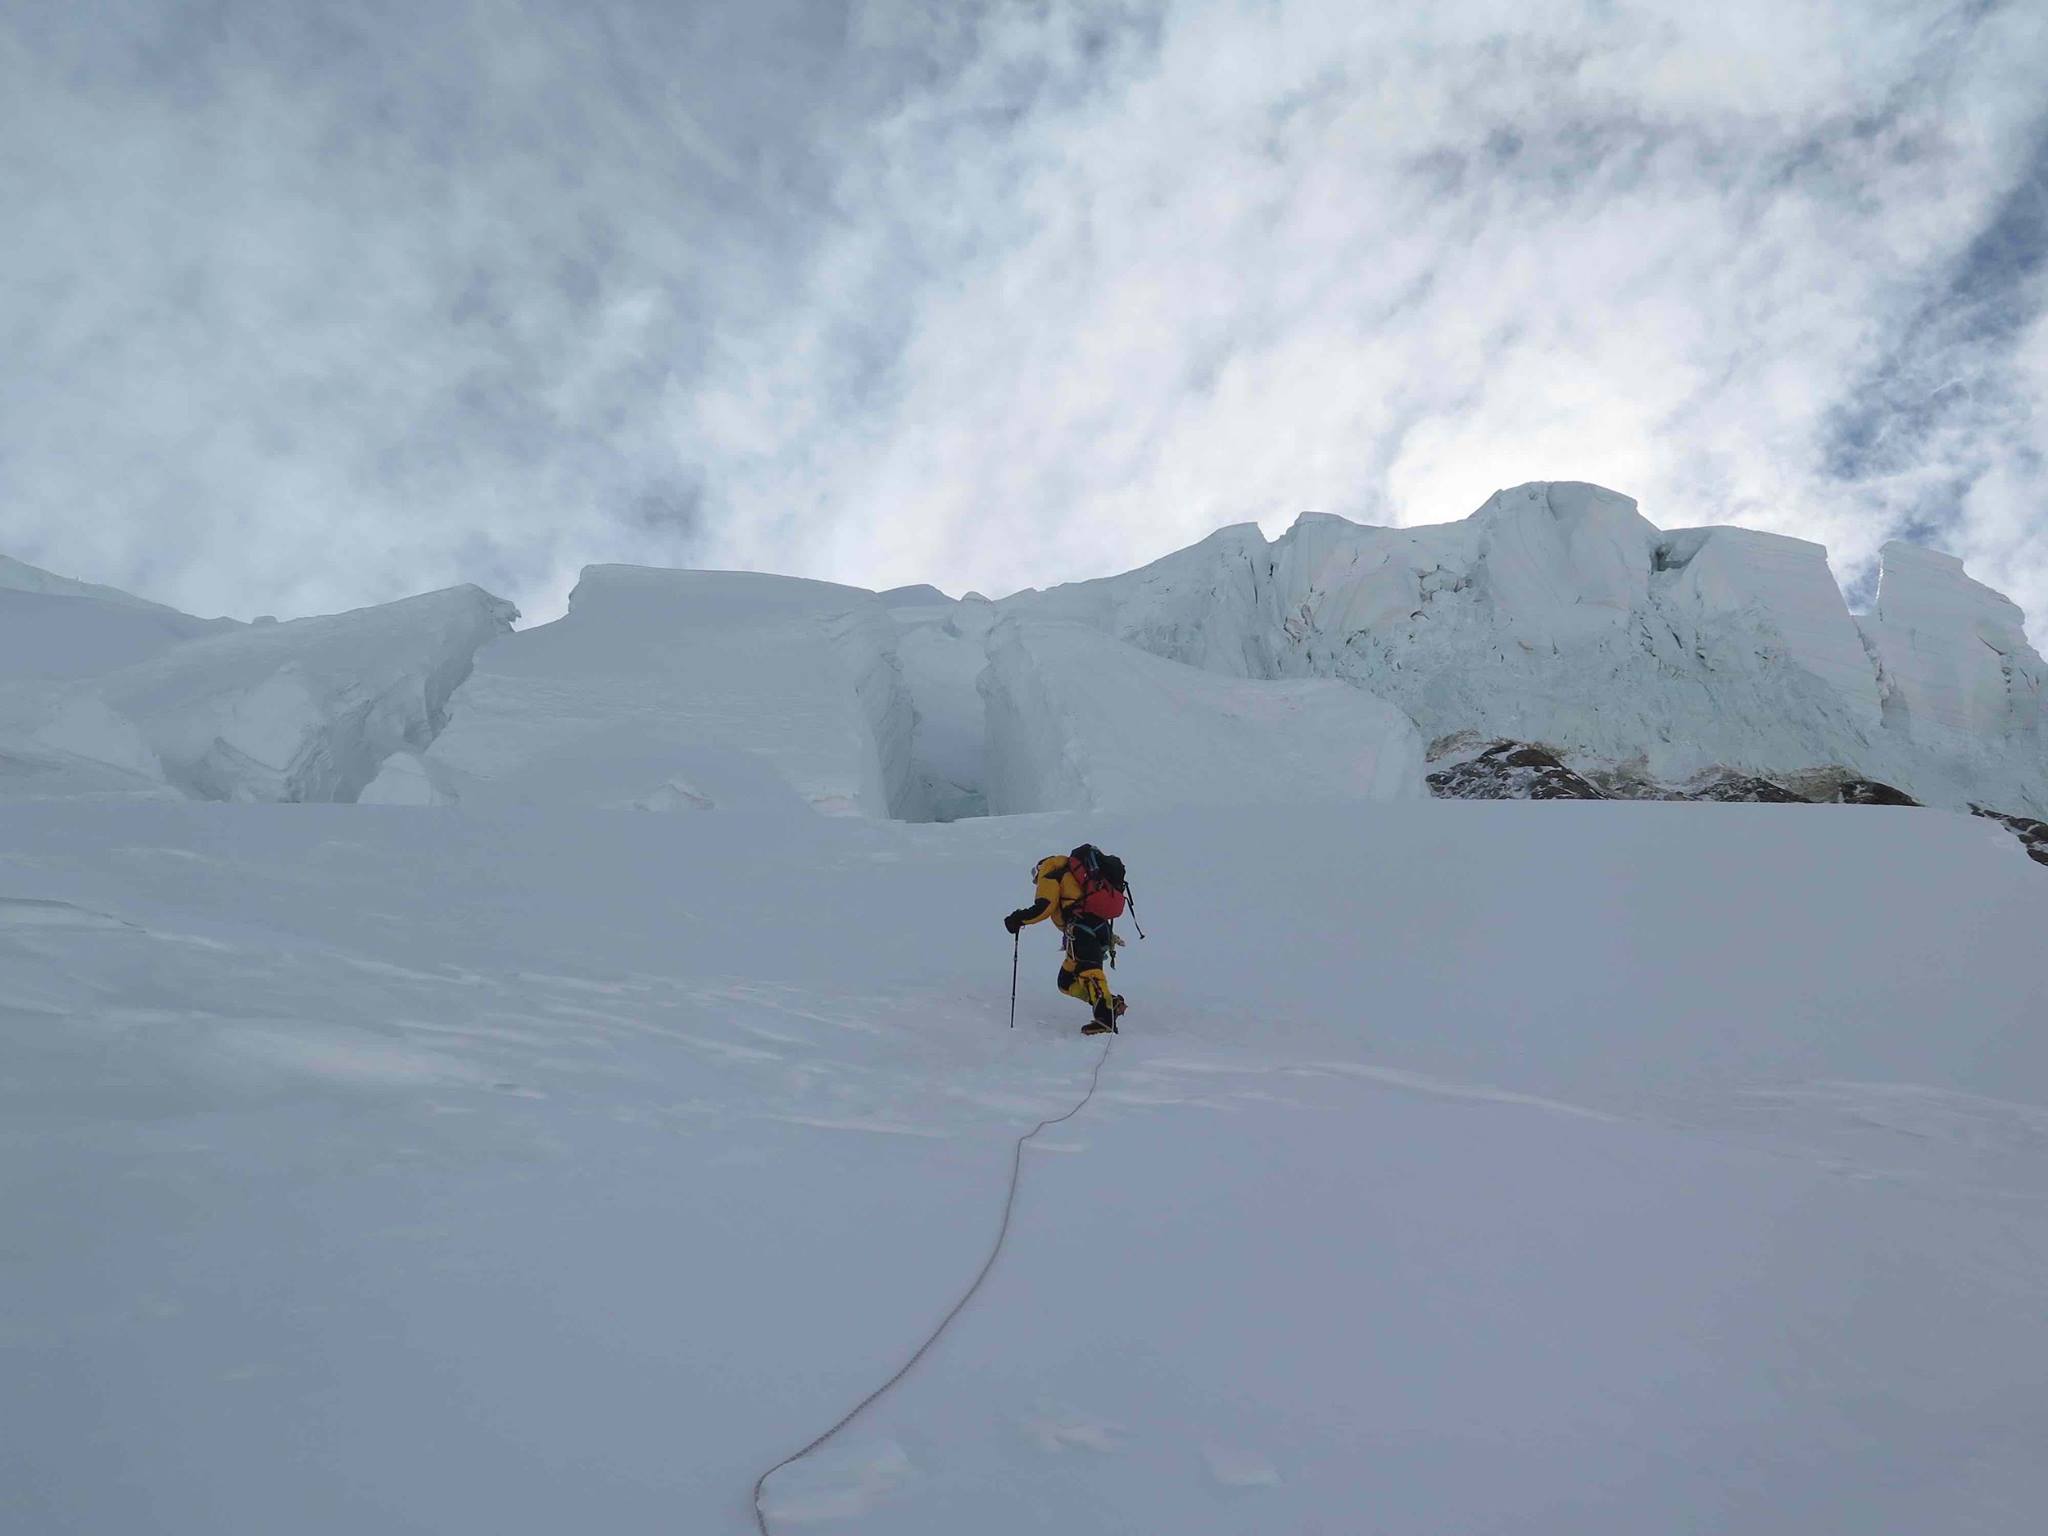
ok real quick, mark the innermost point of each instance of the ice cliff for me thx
(1955, 671)
(1557, 613)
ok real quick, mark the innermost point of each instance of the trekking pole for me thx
(1016, 945)
(1132, 900)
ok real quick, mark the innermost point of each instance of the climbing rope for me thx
(987, 1264)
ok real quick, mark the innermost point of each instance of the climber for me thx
(1083, 892)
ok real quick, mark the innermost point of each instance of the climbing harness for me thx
(903, 1370)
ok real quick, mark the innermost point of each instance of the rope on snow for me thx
(987, 1264)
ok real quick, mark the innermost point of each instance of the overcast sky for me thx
(304, 306)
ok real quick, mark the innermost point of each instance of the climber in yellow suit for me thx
(1083, 893)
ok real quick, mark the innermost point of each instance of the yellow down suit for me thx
(1089, 940)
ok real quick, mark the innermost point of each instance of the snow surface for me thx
(495, 1156)
(17, 576)
(56, 635)
(1076, 722)
(1569, 1169)
(1556, 613)
(681, 690)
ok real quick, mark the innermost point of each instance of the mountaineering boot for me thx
(1107, 1009)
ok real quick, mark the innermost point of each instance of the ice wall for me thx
(1965, 697)
(1080, 723)
(682, 690)
(1954, 653)
(1556, 613)
(1722, 586)
(1561, 563)
(302, 711)
(943, 646)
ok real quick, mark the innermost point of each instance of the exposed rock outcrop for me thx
(1511, 770)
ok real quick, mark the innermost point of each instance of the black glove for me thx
(1016, 919)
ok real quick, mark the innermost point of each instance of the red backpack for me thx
(1100, 877)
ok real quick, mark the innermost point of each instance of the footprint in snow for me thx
(1235, 1467)
(1057, 1432)
(830, 1485)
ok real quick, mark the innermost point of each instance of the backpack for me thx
(1101, 878)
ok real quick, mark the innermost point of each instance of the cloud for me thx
(316, 312)
(308, 305)
(1245, 260)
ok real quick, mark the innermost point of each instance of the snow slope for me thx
(1570, 1169)
(19, 576)
(681, 690)
(54, 634)
(1076, 722)
(1556, 613)
(52, 627)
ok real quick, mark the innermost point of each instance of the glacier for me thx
(620, 1087)
(1649, 661)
